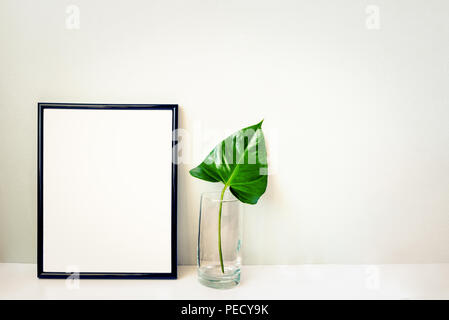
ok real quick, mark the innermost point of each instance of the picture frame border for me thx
(40, 183)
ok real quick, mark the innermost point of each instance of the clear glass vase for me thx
(219, 240)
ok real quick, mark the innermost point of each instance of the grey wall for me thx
(356, 113)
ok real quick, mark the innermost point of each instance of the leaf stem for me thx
(219, 228)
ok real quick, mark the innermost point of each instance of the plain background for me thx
(356, 114)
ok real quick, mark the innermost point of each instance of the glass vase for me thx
(219, 240)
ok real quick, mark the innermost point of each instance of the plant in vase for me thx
(240, 163)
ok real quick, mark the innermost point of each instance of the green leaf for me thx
(240, 162)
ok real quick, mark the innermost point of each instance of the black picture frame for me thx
(42, 106)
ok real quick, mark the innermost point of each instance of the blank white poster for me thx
(107, 190)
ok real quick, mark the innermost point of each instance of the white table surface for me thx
(407, 281)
